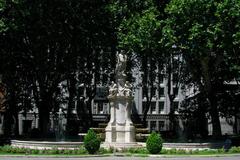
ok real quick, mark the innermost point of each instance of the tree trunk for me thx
(146, 109)
(171, 96)
(216, 126)
(89, 117)
(70, 119)
(16, 127)
(172, 118)
(7, 124)
(210, 90)
(235, 126)
(43, 118)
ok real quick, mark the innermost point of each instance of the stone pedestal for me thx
(120, 128)
(120, 132)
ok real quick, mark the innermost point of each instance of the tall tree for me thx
(194, 27)
(137, 34)
(48, 42)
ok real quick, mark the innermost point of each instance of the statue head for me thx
(121, 57)
(121, 82)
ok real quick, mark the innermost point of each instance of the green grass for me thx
(81, 151)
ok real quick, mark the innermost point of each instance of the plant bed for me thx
(9, 150)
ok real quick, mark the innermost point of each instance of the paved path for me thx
(123, 158)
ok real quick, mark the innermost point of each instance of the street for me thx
(120, 158)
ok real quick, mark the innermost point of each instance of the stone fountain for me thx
(120, 131)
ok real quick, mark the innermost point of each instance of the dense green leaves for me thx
(91, 142)
(203, 34)
(205, 31)
(47, 43)
(44, 43)
(135, 33)
(154, 143)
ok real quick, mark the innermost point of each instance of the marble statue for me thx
(120, 132)
(113, 89)
(121, 64)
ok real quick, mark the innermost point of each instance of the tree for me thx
(195, 28)
(137, 34)
(48, 42)
(228, 24)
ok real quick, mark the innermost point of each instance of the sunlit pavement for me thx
(235, 157)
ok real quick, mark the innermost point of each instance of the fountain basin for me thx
(45, 144)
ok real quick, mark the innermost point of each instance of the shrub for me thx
(154, 143)
(91, 142)
(138, 150)
(234, 150)
(35, 151)
(103, 151)
(67, 151)
(54, 150)
(6, 149)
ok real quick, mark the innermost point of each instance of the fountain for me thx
(120, 131)
(60, 141)
(59, 132)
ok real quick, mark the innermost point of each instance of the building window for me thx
(95, 108)
(161, 125)
(175, 105)
(100, 108)
(161, 106)
(152, 125)
(153, 108)
(161, 92)
(105, 108)
(102, 92)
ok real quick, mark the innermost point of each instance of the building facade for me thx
(157, 117)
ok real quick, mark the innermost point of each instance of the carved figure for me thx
(120, 128)
(121, 64)
(127, 89)
(113, 89)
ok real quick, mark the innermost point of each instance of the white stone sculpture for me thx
(127, 89)
(120, 132)
(121, 64)
(113, 89)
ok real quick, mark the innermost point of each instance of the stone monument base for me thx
(121, 146)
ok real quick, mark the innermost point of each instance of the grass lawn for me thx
(81, 151)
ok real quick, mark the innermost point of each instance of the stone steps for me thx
(141, 132)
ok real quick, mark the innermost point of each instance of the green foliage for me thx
(3, 26)
(192, 152)
(81, 150)
(18, 150)
(136, 33)
(154, 143)
(105, 151)
(234, 150)
(136, 23)
(35, 151)
(91, 142)
(130, 151)
(54, 39)
(206, 33)
(141, 151)
(138, 150)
